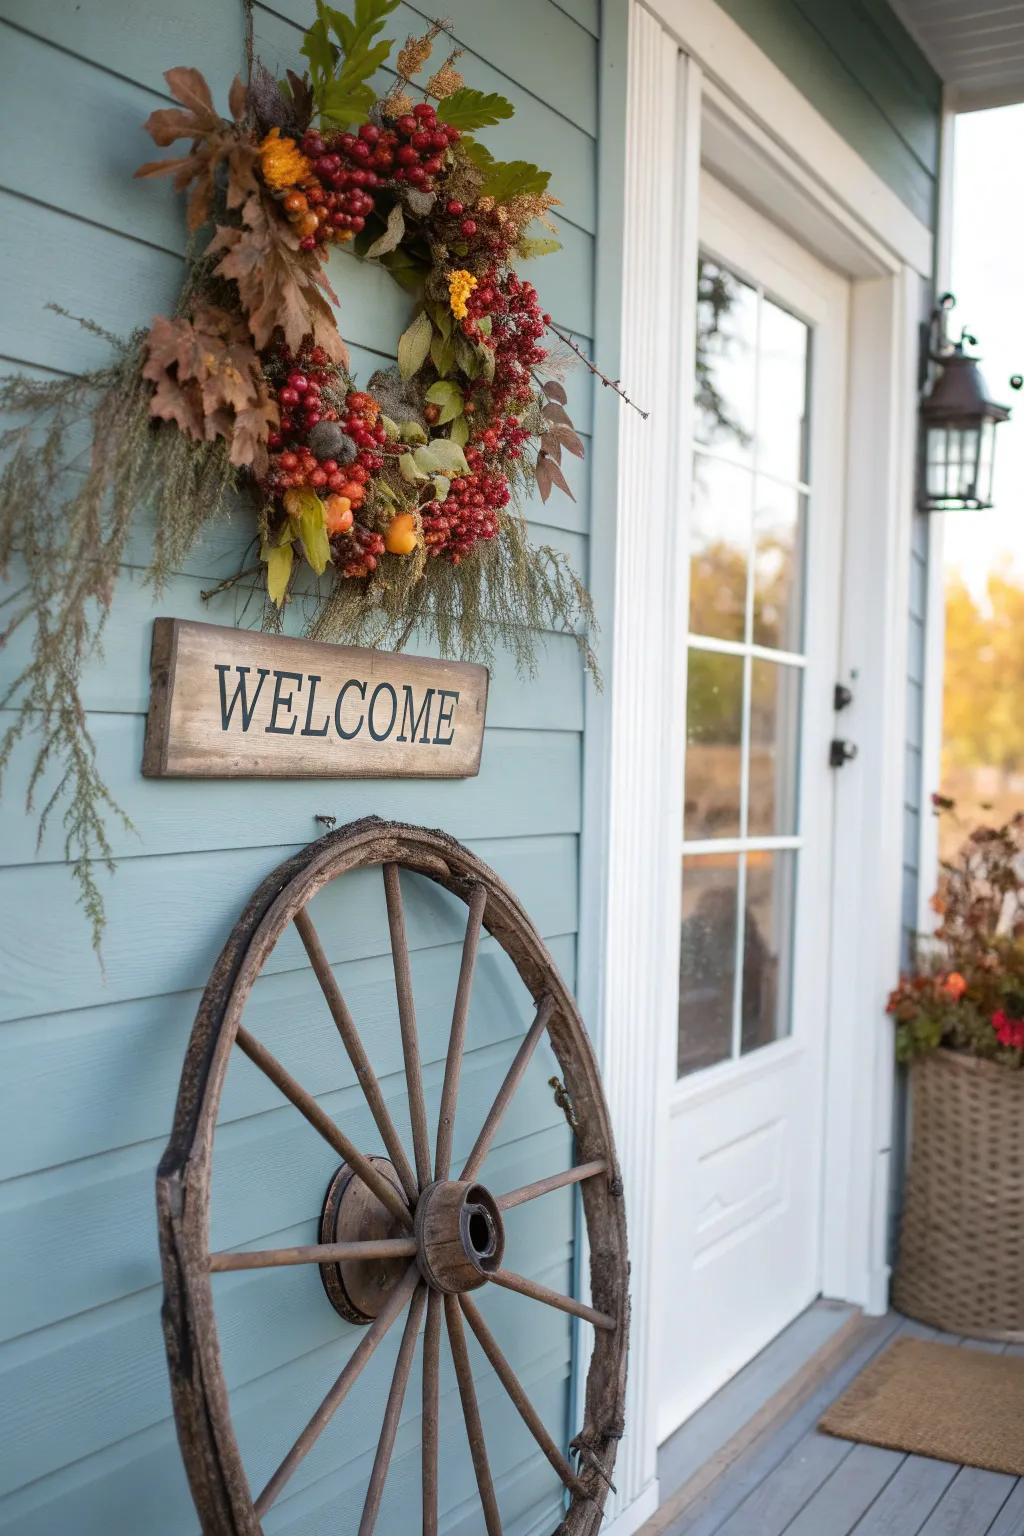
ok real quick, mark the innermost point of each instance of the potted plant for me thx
(960, 1027)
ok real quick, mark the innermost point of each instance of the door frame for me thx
(698, 87)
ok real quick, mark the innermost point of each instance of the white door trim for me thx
(772, 103)
(635, 793)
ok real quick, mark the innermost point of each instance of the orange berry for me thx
(354, 491)
(400, 538)
(307, 224)
(338, 514)
(295, 203)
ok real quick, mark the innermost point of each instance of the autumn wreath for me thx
(384, 508)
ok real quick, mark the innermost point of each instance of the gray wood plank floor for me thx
(795, 1481)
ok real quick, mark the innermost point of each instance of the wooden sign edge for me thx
(163, 659)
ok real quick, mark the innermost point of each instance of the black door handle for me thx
(841, 751)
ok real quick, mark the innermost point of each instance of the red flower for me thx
(954, 986)
(1008, 1031)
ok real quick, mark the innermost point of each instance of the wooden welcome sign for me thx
(235, 703)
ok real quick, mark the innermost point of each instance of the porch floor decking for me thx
(791, 1480)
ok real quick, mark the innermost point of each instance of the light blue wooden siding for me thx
(89, 1060)
(859, 66)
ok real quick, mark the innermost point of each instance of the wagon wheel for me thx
(395, 1235)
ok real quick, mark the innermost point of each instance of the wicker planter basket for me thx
(961, 1259)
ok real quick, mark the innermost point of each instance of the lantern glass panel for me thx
(986, 460)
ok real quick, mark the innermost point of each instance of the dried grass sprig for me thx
(64, 528)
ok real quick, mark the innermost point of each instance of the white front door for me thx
(741, 1174)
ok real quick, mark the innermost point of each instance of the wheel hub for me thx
(460, 1235)
(359, 1288)
(460, 1239)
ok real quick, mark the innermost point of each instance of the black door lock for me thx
(842, 697)
(841, 751)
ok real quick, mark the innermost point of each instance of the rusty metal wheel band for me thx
(226, 1505)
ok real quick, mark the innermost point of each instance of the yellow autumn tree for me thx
(983, 704)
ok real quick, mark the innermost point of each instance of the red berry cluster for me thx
(303, 405)
(517, 326)
(421, 145)
(468, 513)
(347, 169)
(357, 551)
(505, 437)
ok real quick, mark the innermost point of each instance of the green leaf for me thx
(505, 179)
(342, 93)
(443, 318)
(442, 485)
(426, 460)
(448, 453)
(405, 269)
(460, 432)
(449, 397)
(442, 354)
(392, 236)
(479, 154)
(407, 467)
(530, 248)
(485, 325)
(314, 535)
(319, 50)
(467, 109)
(278, 560)
(390, 427)
(466, 355)
(486, 357)
(413, 345)
(412, 432)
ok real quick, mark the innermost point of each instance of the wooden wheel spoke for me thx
(336, 1396)
(431, 1411)
(314, 1253)
(510, 1381)
(554, 1181)
(537, 1292)
(407, 1020)
(392, 1414)
(356, 1051)
(471, 1414)
(497, 1110)
(457, 1038)
(318, 1118)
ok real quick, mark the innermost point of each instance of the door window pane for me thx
(774, 749)
(726, 380)
(767, 948)
(714, 729)
(780, 513)
(783, 355)
(707, 961)
(748, 536)
(719, 548)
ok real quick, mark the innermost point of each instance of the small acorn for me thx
(328, 441)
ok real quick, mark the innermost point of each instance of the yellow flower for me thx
(283, 164)
(460, 286)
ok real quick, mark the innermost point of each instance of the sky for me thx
(988, 280)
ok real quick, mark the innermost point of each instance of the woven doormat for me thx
(957, 1404)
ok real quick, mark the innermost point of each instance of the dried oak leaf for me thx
(276, 285)
(213, 141)
(209, 382)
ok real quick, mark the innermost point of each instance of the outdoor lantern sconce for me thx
(958, 420)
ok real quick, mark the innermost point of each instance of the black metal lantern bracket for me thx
(958, 419)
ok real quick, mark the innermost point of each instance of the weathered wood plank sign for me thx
(237, 703)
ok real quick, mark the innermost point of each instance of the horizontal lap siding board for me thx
(89, 1059)
(864, 73)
